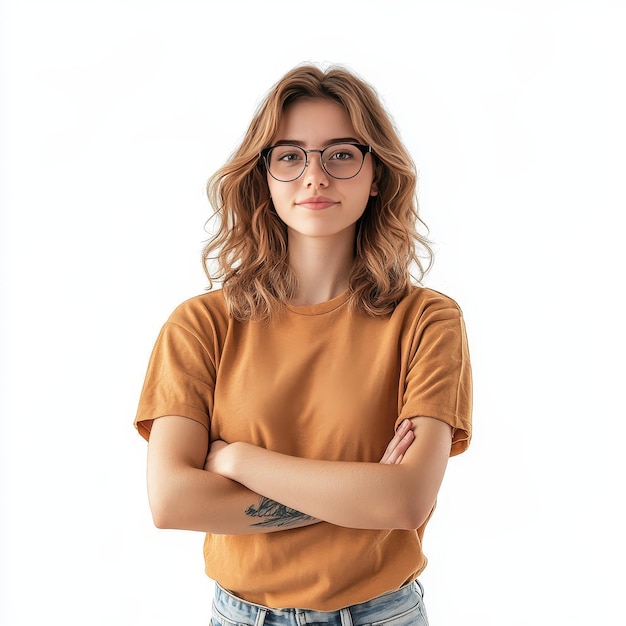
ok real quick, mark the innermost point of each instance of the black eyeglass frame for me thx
(363, 149)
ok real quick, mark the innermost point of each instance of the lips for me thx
(316, 203)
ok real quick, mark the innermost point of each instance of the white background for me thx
(115, 113)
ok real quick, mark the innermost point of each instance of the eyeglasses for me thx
(339, 160)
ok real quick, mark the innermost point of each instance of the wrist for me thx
(231, 461)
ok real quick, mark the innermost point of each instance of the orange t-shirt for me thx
(319, 382)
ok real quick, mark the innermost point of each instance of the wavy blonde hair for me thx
(249, 246)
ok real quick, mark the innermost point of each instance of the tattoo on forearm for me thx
(276, 514)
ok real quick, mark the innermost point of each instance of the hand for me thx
(400, 443)
(213, 457)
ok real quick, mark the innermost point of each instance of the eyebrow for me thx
(295, 142)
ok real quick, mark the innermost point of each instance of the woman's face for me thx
(316, 204)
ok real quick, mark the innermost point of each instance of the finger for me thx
(404, 427)
(396, 455)
(403, 446)
(399, 447)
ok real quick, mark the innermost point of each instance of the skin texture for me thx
(238, 488)
(321, 242)
(398, 495)
(328, 122)
(183, 495)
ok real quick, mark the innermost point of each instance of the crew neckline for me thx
(321, 307)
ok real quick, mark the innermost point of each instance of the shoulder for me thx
(201, 314)
(423, 302)
(209, 303)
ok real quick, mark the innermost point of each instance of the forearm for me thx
(183, 495)
(356, 495)
(194, 499)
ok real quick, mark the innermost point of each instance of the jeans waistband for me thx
(236, 610)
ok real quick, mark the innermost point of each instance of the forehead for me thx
(314, 122)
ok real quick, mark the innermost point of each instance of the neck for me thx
(321, 265)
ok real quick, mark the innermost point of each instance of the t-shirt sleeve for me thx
(438, 381)
(180, 379)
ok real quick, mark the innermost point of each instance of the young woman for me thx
(302, 415)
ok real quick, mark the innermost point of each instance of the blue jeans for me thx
(404, 607)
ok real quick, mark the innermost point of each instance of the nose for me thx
(314, 174)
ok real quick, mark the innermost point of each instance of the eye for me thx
(341, 153)
(287, 156)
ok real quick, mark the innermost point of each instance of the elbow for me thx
(168, 497)
(414, 503)
(413, 522)
(161, 520)
(412, 515)
(161, 514)
(163, 507)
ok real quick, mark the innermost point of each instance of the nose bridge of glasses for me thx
(307, 161)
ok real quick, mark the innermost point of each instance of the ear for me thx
(374, 190)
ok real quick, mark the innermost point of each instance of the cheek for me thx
(363, 191)
(276, 189)
(280, 193)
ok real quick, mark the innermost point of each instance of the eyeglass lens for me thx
(339, 160)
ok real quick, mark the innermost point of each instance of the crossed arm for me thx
(248, 489)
